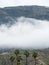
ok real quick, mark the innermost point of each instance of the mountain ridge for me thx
(9, 14)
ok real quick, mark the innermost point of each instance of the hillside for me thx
(9, 14)
(43, 58)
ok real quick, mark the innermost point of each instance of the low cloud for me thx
(25, 33)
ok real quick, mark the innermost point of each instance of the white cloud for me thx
(5, 3)
(27, 32)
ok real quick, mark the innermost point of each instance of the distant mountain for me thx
(9, 14)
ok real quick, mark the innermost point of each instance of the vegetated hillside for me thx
(9, 14)
(42, 58)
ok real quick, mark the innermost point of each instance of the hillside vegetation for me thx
(42, 57)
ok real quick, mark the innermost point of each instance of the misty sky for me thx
(5, 3)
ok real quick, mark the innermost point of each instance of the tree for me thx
(19, 59)
(12, 58)
(17, 53)
(26, 53)
(35, 55)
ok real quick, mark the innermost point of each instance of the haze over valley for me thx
(25, 33)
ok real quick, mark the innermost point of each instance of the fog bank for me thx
(25, 33)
